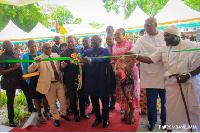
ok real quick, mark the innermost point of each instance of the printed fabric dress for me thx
(132, 92)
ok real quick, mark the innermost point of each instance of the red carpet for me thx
(115, 124)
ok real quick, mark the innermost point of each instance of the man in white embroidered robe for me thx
(186, 64)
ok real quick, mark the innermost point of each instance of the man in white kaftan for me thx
(187, 65)
(151, 75)
(187, 62)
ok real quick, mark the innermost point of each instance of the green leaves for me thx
(25, 17)
(96, 25)
(194, 4)
(150, 7)
(77, 21)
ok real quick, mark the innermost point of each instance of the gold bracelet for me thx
(190, 75)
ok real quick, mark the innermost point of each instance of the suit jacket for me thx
(71, 71)
(97, 73)
(56, 49)
(44, 80)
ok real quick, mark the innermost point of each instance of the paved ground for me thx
(144, 122)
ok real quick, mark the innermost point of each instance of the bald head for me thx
(96, 41)
(57, 40)
(8, 46)
(109, 29)
(46, 48)
(151, 20)
(151, 26)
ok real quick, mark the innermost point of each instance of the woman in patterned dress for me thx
(129, 98)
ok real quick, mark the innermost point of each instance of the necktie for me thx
(54, 69)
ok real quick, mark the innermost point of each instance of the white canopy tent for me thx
(39, 31)
(13, 33)
(137, 18)
(176, 10)
(82, 28)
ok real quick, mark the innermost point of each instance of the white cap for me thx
(173, 29)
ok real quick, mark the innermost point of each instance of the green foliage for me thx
(62, 15)
(59, 13)
(19, 114)
(20, 99)
(19, 105)
(194, 4)
(25, 17)
(95, 25)
(77, 21)
(150, 7)
(3, 98)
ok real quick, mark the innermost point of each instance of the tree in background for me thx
(194, 4)
(96, 25)
(150, 7)
(59, 13)
(25, 17)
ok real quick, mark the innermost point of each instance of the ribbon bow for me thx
(76, 60)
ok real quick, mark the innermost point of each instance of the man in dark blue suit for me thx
(96, 79)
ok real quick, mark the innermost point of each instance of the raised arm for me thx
(34, 65)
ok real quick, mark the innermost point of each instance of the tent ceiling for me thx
(12, 32)
(176, 10)
(39, 31)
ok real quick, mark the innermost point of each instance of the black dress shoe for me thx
(66, 117)
(85, 116)
(91, 112)
(164, 126)
(130, 122)
(76, 118)
(105, 123)
(57, 123)
(96, 122)
(151, 126)
(12, 124)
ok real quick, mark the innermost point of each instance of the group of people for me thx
(111, 80)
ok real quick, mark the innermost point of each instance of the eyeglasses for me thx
(47, 48)
(148, 25)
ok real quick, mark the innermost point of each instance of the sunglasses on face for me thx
(148, 25)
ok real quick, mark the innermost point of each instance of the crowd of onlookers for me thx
(111, 80)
